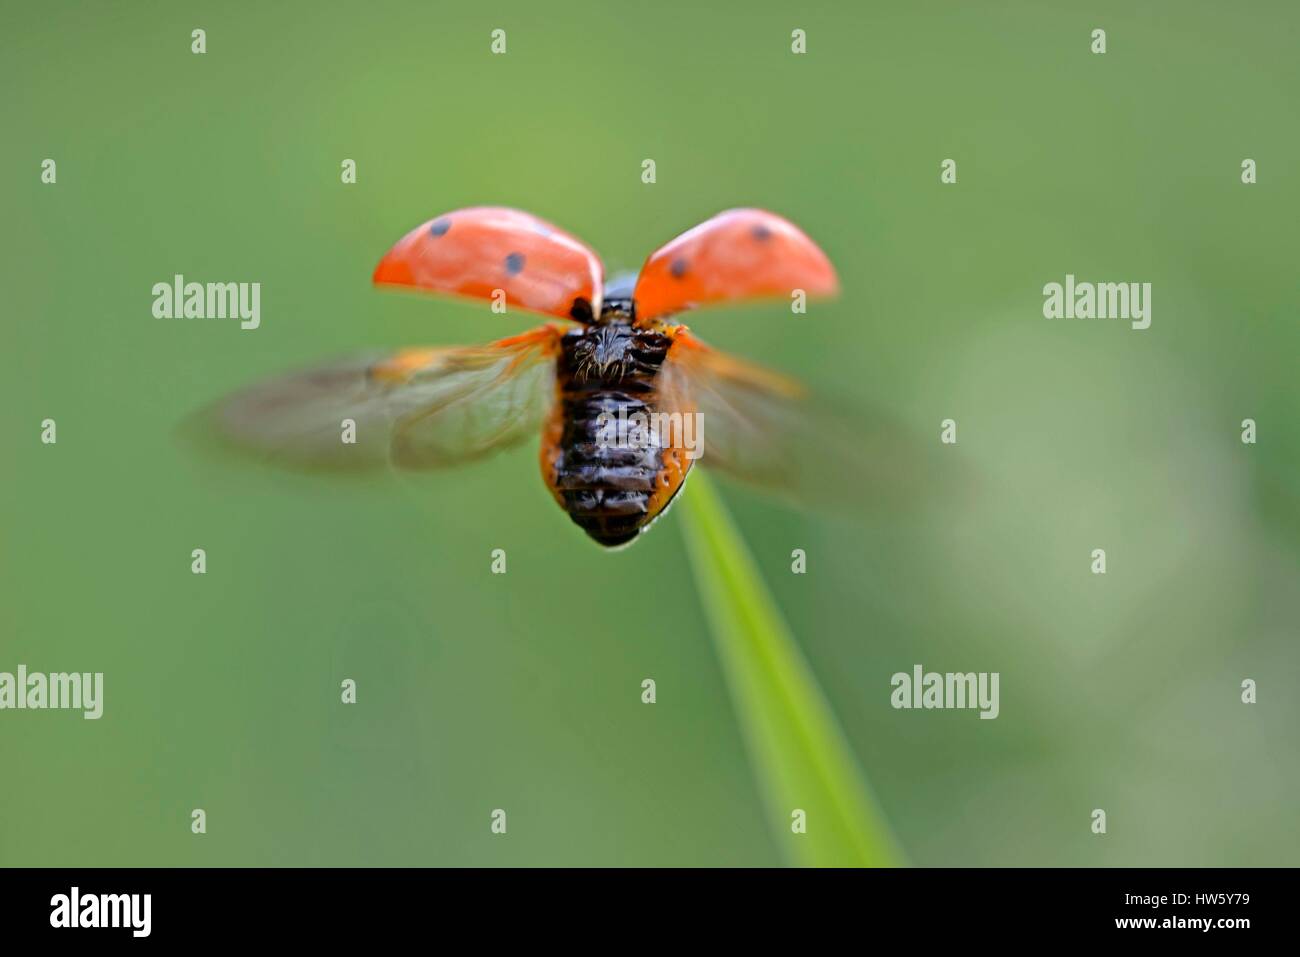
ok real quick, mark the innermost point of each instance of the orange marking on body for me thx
(669, 479)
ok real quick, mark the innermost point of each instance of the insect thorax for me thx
(611, 353)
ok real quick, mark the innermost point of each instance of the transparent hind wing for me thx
(414, 409)
(766, 429)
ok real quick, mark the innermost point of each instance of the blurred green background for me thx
(523, 691)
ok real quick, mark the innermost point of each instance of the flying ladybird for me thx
(617, 353)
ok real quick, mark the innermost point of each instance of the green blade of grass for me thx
(799, 754)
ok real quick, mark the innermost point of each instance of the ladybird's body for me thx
(616, 358)
(605, 372)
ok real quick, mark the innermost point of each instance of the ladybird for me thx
(626, 399)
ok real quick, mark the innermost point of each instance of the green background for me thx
(523, 691)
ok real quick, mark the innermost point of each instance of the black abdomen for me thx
(606, 486)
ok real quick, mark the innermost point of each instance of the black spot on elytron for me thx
(439, 227)
(761, 233)
(515, 264)
(678, 268)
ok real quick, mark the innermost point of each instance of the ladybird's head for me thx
(617, 305)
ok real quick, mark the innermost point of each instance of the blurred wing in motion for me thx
(477, 251)
(738, 254)
(414, 409)
(764, 428)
